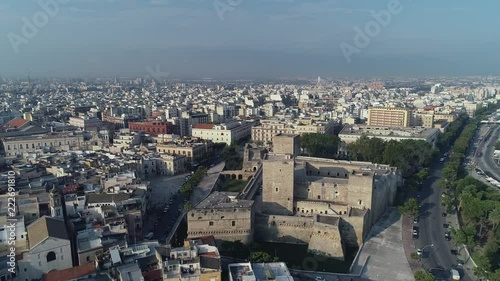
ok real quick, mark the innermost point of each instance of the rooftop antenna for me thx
(29, 79)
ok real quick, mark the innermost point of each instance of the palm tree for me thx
(494, 217)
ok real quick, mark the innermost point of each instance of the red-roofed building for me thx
(72, 273)
(154, 127)
(16, 123)
(203, 126)
(70, 188)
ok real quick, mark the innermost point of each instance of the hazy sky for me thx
(248, 38)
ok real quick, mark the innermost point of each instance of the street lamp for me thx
(421, 251)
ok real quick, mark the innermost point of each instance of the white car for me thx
(319, 279)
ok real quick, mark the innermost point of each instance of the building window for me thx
(360, 202)
(210, 223)
(319, 196)
(233, 223)
(277, 189)
(51, 256)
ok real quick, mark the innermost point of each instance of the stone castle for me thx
(327, 204)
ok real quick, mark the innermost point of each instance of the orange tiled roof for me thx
(203, 126)
(17, 122)
(70, 273)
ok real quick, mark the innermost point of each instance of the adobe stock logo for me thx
(50, 8)
(372, 29)
(223, 6)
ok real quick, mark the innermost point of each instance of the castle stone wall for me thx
(224, 224)
(285, 229)
(326, 240)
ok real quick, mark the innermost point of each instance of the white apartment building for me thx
(351, 133)
(84, 122)
(223, 133)
(17, 146)
(126, 139)
(269, 128)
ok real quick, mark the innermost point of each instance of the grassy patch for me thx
(232, 185)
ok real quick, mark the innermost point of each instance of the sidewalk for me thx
(408, 244)
(452, 220)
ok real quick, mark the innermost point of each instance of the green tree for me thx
(410, 208)
(494, 217)
(447, 202)
(261, 257)
(319, 145)
(483, 264)
(497, 145)
(421, 275)
(423, 174)
(464, 235)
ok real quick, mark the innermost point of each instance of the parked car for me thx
(319, 279)
(415, 220)
(454, 252)
(447, 236)
(419, 252)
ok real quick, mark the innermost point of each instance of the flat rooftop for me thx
(271, 271)
(45, 136)
(223, 200)
(241, 272)
(380, 131)
(329, 220)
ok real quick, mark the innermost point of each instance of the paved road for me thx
(485, 162)
(165, 189)
(431, 230)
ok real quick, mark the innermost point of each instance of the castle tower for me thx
(278, 184)
(56, 208)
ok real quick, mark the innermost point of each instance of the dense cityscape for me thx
(258, 140)
(310, 179)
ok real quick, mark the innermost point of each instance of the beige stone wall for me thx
(326, 240)
(320, 169)
(277, 187)
(354, 229)
(286, 144)
(384, 193)
(360, 190)
(311, 208)
(313, 188)
(287, 229)
(224, 224)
